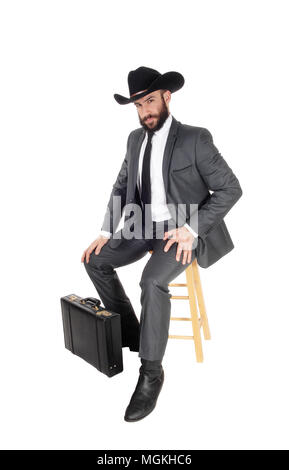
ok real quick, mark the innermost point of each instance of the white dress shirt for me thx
(159, 208)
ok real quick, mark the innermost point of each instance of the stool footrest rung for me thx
(172, 284)
(181, 318)
(180, 297)
(200, 320)
(181, 337)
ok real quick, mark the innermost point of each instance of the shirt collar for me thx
(165, 127)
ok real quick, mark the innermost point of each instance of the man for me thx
(167, 165)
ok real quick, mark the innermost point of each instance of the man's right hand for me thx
(97, 245)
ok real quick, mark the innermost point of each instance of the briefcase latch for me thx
(73, 297)
(105, 313)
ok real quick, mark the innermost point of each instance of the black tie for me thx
(146, 177)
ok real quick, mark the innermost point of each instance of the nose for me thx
(146, 112)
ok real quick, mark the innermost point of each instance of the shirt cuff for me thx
(105, 234)
(191, 230)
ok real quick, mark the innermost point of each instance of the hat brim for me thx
(172, 81)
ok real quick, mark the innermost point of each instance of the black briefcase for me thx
(92, 333)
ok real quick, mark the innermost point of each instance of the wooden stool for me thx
(197, 308)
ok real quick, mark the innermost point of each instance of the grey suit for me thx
(192, 166)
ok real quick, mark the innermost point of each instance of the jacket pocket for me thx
(182, 169)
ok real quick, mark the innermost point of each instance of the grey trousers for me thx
(151, 333)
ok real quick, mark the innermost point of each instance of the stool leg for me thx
(201, 303)
(194, 314)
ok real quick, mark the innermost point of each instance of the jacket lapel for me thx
(172, 135)
(134, 163)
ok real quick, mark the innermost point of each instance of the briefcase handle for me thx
(91, 300)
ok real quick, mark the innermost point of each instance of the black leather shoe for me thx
(144, 398)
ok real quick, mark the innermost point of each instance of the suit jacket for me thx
(192, 167)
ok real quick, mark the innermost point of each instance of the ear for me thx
(167, 96)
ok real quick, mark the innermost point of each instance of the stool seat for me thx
(198, 313)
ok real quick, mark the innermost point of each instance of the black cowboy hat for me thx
(145, 80)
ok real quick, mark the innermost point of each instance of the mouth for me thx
(150, 120)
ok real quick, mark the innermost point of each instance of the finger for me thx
(168, 245)
(190, 256)
(98, 248)
(88, 251)
(83, 256)
(185, 256)
(179, 251)
(169, 234)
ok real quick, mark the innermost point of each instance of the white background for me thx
(63, 139)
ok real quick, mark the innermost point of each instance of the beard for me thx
(161, 118)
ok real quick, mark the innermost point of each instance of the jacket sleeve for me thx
(219, 178)
(119, 188)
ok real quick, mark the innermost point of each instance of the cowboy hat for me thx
(144, 80)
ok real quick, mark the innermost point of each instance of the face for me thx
(153, 109)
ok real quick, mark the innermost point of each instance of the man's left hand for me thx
(185, 240)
